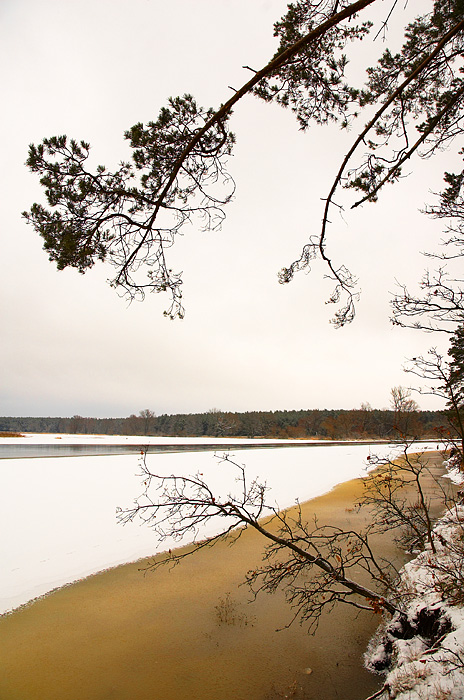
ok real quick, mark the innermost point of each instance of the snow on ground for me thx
(429, 665)
(81, 439)
(57, 515)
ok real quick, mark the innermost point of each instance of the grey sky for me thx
(91, 69)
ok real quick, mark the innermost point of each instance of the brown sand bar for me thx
(121, 634)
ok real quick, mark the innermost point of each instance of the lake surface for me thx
(57, 515)
(166, 634)
(15, 450)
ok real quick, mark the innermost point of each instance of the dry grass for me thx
(436, 692)
(228, 613)
(407, 679)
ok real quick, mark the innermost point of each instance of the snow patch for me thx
(421, 651)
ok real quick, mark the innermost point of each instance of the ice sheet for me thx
(57, 515)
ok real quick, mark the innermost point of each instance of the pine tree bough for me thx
(131, 217)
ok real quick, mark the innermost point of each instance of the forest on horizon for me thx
(312, 423)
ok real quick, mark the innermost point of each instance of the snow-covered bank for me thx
(87, 439)
(422, 652)
(84, 439)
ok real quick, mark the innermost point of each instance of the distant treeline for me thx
(315, 423)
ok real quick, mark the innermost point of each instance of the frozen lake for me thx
(57, 514)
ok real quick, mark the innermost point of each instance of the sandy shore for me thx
(122, 634)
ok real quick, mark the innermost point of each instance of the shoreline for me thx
(49, 557)
(120, 629)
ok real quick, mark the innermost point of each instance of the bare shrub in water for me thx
(227, 613)
(406, 515)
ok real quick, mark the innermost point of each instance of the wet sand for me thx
(123, 634)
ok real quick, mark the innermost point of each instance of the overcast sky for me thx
(93, 68)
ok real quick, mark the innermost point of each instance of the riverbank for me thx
(189, 633)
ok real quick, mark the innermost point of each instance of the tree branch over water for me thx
(310, 562)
